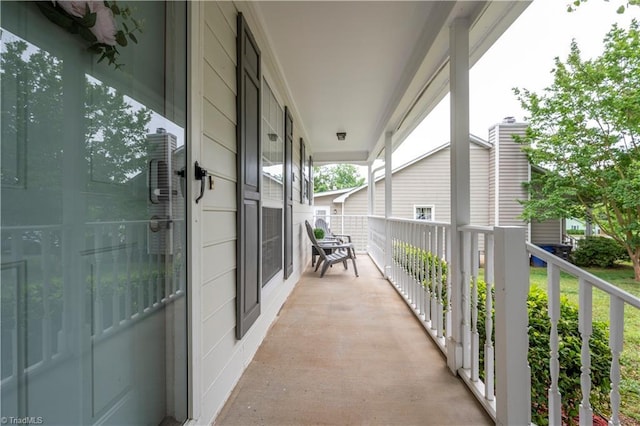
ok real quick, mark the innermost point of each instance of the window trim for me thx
(424, 206)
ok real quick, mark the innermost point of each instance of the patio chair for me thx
(322, 224)
(331, 252)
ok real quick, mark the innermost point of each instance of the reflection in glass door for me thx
(93, 314)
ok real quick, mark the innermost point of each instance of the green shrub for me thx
(570, 347)
(598, 251)
(418, 262)
(575, 231)
(318, 233)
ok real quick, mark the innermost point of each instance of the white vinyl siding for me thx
(221, 359)
(492, 176)
(358, 203)
(426, 182)
(219, 350)
(513, 170)
(547, 232)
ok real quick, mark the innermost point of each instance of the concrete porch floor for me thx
(348, 351)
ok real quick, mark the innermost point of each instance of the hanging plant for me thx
(95, 21)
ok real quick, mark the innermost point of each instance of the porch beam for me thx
(388, 206)
(460, 182)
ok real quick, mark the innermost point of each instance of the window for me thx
(272, 183)
(423, 213)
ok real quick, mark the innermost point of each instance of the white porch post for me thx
(513, 375)
(388, 208)
(371, 207)
(460, 193)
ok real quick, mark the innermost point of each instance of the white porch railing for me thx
(356, 226)
(123, 274)
(419, 271)
(495, 267)
(618, 300)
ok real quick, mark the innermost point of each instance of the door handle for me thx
(201, 175)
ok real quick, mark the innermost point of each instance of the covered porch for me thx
(347, 350)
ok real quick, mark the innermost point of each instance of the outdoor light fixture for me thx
(341, 135)
(272, 137)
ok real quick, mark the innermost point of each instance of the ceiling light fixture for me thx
(341, 135)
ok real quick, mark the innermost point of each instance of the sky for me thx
(523, 57)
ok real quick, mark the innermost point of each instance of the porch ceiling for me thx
(370, 67)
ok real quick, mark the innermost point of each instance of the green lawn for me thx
(621, 276)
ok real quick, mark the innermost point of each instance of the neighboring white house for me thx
(581, 225)
(498, 169)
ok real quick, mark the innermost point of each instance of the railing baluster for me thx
(439, 254)
(115, 272)
(421, 292)
(411, 255)
(142, 270)
(449, 326)
(466, 300)
(488, 321)
(405, 257)
(160, 272)
(585, 327)
(46, 265)
(414, 265)
(426, 279)
(553, 291)
(616, 338)
(97, 283)
(129, 253)
(433, 279)
(475, 336)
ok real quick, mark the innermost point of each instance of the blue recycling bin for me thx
(536, 261)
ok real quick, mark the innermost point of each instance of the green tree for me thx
(623, 6)
(32, 132)
(585, 131)
(336, 176)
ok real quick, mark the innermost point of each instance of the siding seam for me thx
(219, 242)
(210, 28)
(222, 305)
(206, 283)
(219, 209)
(215, 70)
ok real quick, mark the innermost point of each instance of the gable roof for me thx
(472, 138)
(332, 192)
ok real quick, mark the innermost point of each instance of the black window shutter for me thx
(248, 255)
(310, 181)
(303, 173)
(288, 193)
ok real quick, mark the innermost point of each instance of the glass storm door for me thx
(93, 314)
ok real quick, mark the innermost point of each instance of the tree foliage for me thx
(112, 132)
(584, 130)
(622, 7)
(336, 176)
